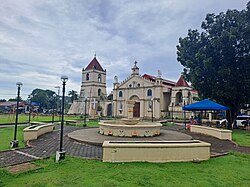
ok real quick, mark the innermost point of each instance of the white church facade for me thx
(154, 96)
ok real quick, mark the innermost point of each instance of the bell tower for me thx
(93, 81)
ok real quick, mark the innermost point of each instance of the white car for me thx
(242, 120)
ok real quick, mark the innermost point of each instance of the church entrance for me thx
(136, 110)
(109, 110)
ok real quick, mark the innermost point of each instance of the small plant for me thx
(99, 108)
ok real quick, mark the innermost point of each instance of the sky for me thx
(40, 40)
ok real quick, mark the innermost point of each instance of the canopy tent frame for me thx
(205, 105)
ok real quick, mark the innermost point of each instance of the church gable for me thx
(135, 82)
(181, 82)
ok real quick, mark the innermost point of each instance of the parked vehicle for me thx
(242, 120)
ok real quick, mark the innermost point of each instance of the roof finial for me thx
(95, 54)
(159, 74)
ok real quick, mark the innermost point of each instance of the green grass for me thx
(22, 118)
(92, 123)
(241, 137)
(7, 135)
(231, 170)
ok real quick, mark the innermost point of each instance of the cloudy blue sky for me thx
(40, 40)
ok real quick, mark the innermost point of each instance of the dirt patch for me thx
(20, 168)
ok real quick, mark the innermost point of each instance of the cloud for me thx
(41, 40)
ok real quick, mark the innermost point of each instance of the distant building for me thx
(10, 107)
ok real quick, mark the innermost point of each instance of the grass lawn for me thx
(7, 135)
(231, 170)
(22, 118)
(242, 137)
(92, 123)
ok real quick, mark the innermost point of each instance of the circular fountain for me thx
(119, 128)
(129, 127)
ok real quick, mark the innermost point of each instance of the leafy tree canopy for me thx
(217, 60)
(44, 97)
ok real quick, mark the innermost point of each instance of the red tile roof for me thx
(166, 83)
(182, 82)
(94, 64)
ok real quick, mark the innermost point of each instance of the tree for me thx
(2, 100)
(15, 99)
(73, 95)
(217, 60)
(44, 98)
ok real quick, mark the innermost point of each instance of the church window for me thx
(149, 93)
(120, 108)
(87, 77)
(120, 93)
(130, 86)
(138, 85)
(178, 99)
(99, 78)
(189, 98)
(99, 92)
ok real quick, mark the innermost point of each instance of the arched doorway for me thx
(136, 108)
(109, 110)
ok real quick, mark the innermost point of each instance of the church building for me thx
(93, 92)
(154, 96)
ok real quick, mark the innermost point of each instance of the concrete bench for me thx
(162, 151)
(222, 134)
(74, 122)
(37, 123)
(34, 131)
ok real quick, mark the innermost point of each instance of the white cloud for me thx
(41, 40)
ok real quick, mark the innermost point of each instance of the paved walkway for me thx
(47, 145)
(91, 136)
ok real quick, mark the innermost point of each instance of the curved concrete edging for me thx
(91, 136)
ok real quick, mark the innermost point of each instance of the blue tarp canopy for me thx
(205, 105)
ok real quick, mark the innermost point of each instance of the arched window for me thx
(120, 93)
(189, 98)
(99, 78)
(178, 99)
(149, 93)
(99, 92)
(87, 77)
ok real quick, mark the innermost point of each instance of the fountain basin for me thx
(128, 121)
(118, 128)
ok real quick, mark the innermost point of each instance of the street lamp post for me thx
(61, 153)
(14, 143)
(58, 100)
(152, 109)
(30, 98)
(85, 112)
(53, 112)
(172, 112)
(185, 124)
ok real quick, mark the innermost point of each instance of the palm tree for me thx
(73, 95)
